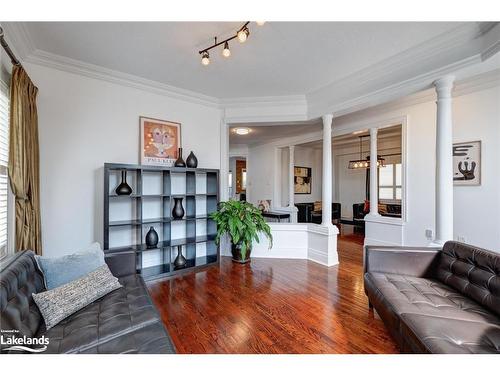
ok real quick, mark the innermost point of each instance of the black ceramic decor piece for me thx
(178, 211)
(180, 161)
(180, 261)
(151, 238)
(123, 188)
(192, 160)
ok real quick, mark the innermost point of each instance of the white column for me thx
(444, 162)
(373, 173)
(277, 178)
(291, 187)
(326, 205)
(224, 159)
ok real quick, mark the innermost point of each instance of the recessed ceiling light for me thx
(242, 131)
(359, 131)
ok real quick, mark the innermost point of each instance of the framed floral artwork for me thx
(160, 141)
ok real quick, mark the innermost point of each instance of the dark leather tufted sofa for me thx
(437, 301)
(124, 321)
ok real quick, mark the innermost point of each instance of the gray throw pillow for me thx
(59, 303)
(61, 270)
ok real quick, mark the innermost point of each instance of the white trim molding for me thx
(401, 75)
(69, 65)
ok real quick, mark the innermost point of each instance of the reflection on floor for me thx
(274, 306)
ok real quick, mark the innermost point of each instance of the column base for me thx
(372, 216)
(332, 229)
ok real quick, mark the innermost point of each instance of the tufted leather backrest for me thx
(20, 277)
(472, 271)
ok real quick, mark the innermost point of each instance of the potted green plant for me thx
(243, 222)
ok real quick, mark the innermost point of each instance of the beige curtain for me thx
(24, 172)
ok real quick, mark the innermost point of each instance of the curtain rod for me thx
(7, 49)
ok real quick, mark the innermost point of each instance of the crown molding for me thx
(264, 101)
(390, 92)
(479, 82)
(398, 75)
(69, 65)
(391, 79)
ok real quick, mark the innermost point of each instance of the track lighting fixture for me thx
(242, 35)
(226, 52)
(205, 58)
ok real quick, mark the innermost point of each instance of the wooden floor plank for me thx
(274, 306)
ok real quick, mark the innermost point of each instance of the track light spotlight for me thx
(260, 23)
(243, 34)
(226, 52)
(205, 58)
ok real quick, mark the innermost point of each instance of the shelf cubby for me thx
(127, 218)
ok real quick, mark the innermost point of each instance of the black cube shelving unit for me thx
(127, 218)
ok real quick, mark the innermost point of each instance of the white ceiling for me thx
(268, 132)
(280, 58)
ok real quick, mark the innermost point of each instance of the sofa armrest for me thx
(121, 263)
(409, 261)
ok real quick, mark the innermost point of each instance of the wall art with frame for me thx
(467, 163)
(160, 141)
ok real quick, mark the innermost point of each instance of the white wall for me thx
(260, 173)
(84, 123)
(477, 208)
(303, 157)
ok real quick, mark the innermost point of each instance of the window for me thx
(230, 183)
(4, 158)
(243, 179)
(389, 186)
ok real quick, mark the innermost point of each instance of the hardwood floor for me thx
(274, 306)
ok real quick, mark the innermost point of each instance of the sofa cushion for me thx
(431, 334)
(120, 312)
(59, 303)
(473, 272)
(406, 294)
(19, 279)
(58, 271)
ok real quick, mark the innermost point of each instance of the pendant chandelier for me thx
(242, 35)
(364, 163)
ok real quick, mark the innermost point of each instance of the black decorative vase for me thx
(192, 161)
(178, 210)
(237, 256)
(180, 261)
(151, 238)
(180, 161)
(123, 188)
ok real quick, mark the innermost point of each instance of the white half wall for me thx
(85, 122)
(297, 241)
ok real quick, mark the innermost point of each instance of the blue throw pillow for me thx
(62, 270)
